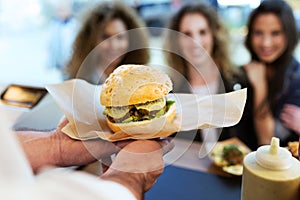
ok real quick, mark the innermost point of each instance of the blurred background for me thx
(25, 26)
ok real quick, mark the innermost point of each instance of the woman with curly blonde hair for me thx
(111, 35)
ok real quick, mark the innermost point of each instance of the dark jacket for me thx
(289, 95)
(244, 130)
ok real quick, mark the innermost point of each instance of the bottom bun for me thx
(115, 127)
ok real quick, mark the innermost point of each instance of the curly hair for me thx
(92, 28)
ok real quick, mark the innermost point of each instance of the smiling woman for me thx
(105, 42)
(268, 40)
(273, 72)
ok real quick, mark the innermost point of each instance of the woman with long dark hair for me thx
(273, 71)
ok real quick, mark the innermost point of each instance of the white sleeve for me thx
(68, 185)
(79, 185)
(18, 182)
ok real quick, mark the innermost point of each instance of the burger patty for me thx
(135, 114)
(232, 154)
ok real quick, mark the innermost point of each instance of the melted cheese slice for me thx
(117, 112)
(153, 105)
(121, 111)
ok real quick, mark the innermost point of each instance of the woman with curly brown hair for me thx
(111, 35)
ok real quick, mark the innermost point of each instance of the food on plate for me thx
(293, 148)
(232, 154)
(133, 95)
(229, 157)
(234, 169)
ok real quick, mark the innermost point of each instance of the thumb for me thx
(63, 122)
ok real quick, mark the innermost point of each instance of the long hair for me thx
(220, 51)
(92, 29)
(279, 67)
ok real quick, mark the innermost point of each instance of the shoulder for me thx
(294, 72)
(238, 80)
(297, 69)
(291, 91)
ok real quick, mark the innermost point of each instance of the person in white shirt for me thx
(133, 171)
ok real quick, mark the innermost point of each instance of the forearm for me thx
(263, 119)
(260, 96)
(265, 126)
(38, 147)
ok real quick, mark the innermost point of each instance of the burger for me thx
(134, 95)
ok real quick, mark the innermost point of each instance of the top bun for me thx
(134, 84)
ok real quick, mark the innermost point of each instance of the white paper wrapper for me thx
(80, 101)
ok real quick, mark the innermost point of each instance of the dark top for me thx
(289, 95)
(244, 130)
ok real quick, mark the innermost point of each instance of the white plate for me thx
(217, 156)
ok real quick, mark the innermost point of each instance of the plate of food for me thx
(229, 155)
(293, 148)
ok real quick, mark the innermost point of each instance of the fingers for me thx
(123, 143)
(285, 116)
(63, 122)
(289, 113)
(291, 109)
(106, 162)
(139, 157)
(167, 144)
(291, 106)
(99, 148)
(288, 108)
(290, 116)
(255, 67)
